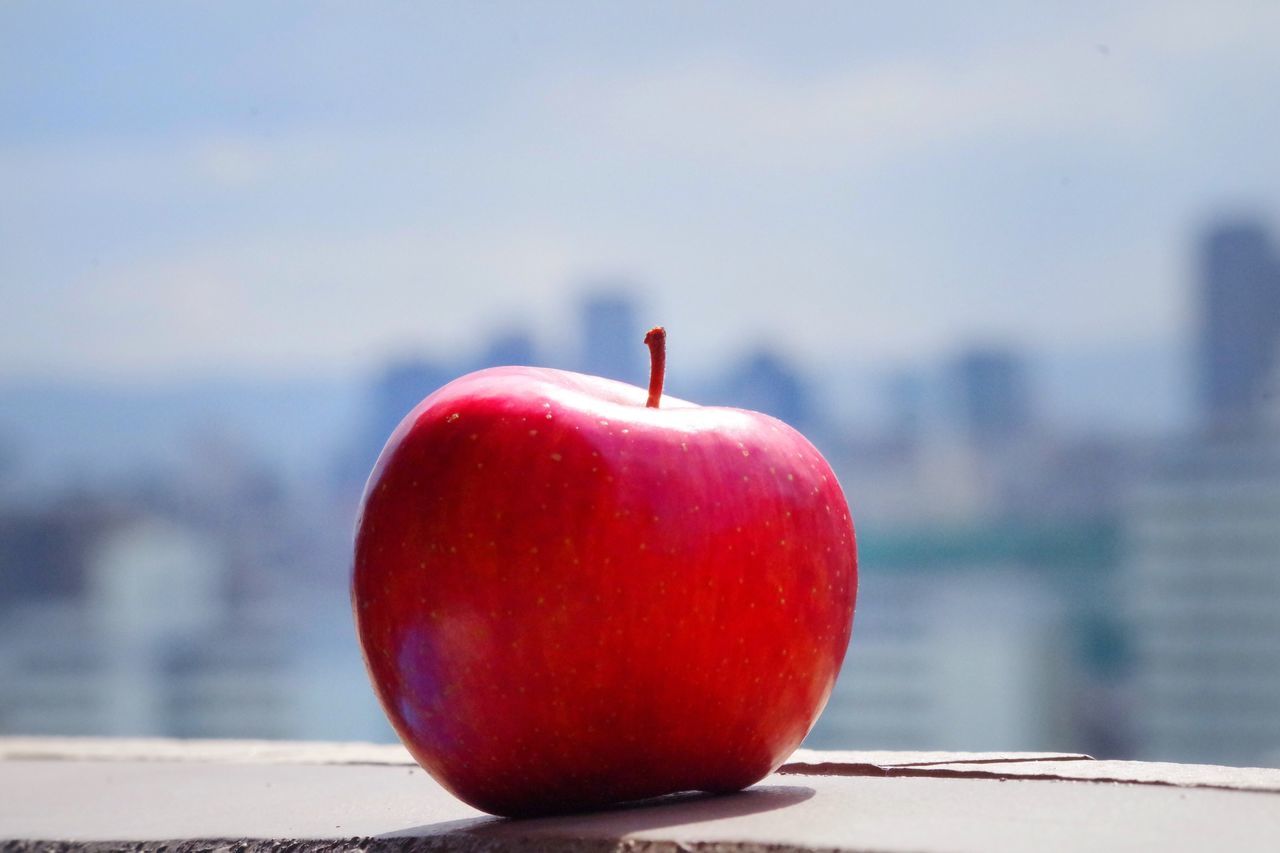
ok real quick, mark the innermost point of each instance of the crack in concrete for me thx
(993, 761)
(939, 770)
(862, 768)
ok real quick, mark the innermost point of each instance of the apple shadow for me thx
(619, 822)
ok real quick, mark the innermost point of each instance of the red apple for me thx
(570, 594)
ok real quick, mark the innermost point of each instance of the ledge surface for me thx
(186, 795)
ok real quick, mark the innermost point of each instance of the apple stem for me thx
(656, 341)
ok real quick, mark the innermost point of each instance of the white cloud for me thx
(233, 162)
(1233, 31)
(295, 305)
(722, 110)
(868, 206)
(127, 169)
(1111, 82)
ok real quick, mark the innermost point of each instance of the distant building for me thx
(402, 386)
(1203, 593)
(392, 395)
(906, 396)
(612, 339)
(764, 381)
(995, 636)
(1239, 321)
(133, 632)
(509, 347)
(935, 481)
(42, 553)
(992, 394)
(90, 659)
(928, 668)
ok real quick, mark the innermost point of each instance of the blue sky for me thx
(307, 187)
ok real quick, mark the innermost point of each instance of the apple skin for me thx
(567, 599)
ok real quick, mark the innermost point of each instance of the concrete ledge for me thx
(202, 751)
(65, 794)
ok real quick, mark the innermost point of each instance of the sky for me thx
(305, 188)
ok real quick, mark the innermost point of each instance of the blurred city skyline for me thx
(199, 593)
(60, 433)
(1015, 271)
(220, 189)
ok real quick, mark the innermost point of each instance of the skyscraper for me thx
(1203, 590)
(613, 342)
(765, 381)
(509, 347)
(400, 386)
(994, 394)
(1203, 532)
(1239, 321)
(906, 397)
